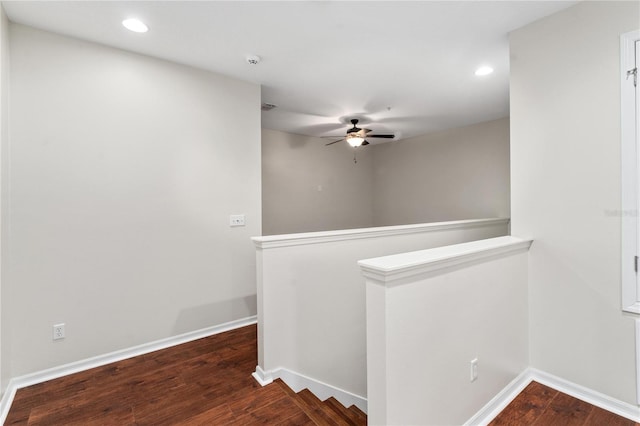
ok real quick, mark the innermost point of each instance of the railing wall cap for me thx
(274, 241)
(406, 267)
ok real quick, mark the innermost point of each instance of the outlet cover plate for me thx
(473, 372)
(236, 220)
(58, 331)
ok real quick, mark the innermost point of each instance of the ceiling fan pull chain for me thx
(354, 158)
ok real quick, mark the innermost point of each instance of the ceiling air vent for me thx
(267, 107)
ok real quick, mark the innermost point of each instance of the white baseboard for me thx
(298, 382)
(637, 321)
(100, 360)
(7, 399)
(500, 401)
(262, 376)
(504, 397)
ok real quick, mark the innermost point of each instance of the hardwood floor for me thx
(540, 405)
(205, 382)
(208, 382)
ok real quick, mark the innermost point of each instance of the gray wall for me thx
(565, 173)
(456, 174)
(460, 173)
(307, 186)
(120, 174)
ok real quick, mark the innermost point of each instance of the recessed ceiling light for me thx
(484, 71)
(135, 25)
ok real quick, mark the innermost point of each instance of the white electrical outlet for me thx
(474, 370)
(236, 220)
(58, 331)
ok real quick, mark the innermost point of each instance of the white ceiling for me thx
(402, 67)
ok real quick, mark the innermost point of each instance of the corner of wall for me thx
(4, 135)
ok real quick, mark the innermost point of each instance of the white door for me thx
(636, 121)
(629, 214)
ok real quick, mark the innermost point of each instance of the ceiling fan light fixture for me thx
(354, 140)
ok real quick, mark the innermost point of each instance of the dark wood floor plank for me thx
(245, 402)
(69, 407)
(599, 416)
(172, 408)
(298, 420)
(527, 406)
(277, 412)
(565, 410)
(220, 415)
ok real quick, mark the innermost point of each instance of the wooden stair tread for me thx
(349, 416)
(324, 413)
(313, 412)
(328, 416)
(358, 412)
(284, 387)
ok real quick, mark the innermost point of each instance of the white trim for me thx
(633, 309)
(637, 361)
(500, 401)
(508, 394)
(287, 240)
(298, 382)
(398, 268)
(7, 399)
(100, 360)
(630, 174)
(262, 377)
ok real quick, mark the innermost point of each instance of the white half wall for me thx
(307, 186)
(456, 174)
(429, 314)
(119, 177)
(565, 177)
(311, 295)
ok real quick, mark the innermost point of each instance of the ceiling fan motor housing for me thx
(354, 128)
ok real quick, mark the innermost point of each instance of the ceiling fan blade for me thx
(382, 136)
(364, 143)
(331, 143)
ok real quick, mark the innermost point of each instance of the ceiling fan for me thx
(356, 136)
